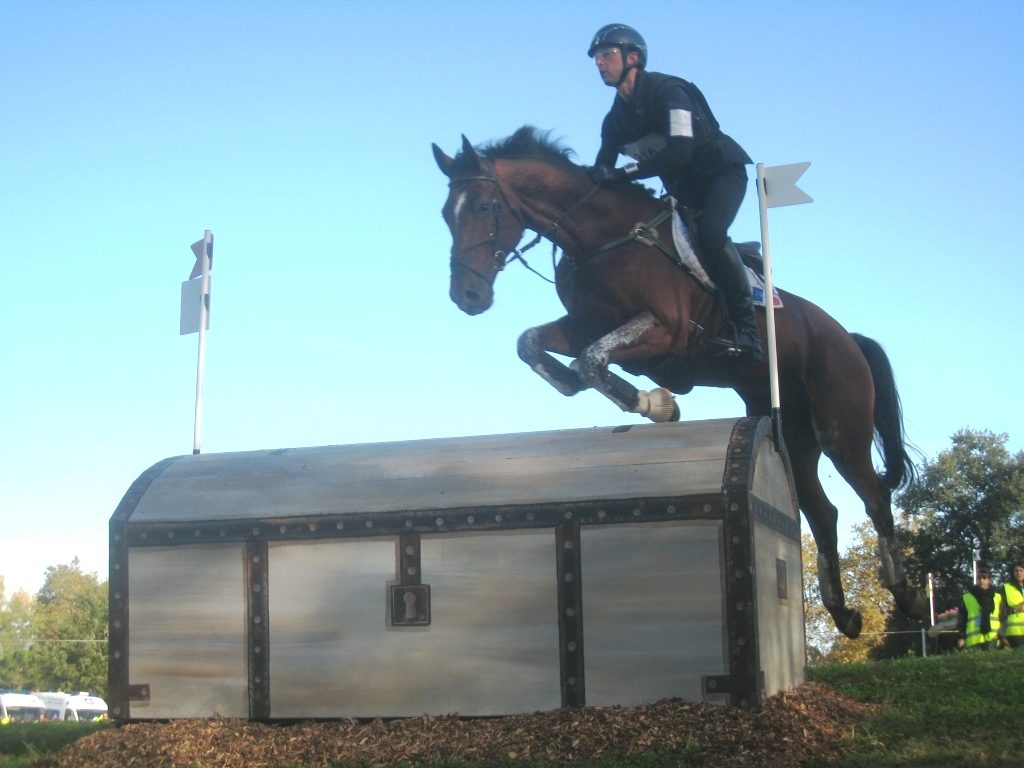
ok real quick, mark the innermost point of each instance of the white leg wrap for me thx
(658, 405)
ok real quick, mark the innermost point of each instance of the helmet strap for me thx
(625, 67)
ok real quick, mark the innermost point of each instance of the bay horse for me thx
(628, 303)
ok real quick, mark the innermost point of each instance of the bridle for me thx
(501, 259)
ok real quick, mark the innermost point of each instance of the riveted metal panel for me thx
(188, 631)
(120, 693)
(653, 606)
(780, 609)
(491, 646)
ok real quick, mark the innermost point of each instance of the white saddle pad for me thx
(684, 247)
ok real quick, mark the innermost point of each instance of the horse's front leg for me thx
(560, 337)
(564, 338)
(639, 338)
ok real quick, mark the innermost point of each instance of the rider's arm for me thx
(671, 161)
(674, 105)
(609, 151)
(607, 155)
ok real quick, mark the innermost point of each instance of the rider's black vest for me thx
(640, 122)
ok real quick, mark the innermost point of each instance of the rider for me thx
(666, 126)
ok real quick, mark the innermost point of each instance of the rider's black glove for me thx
(599, 174)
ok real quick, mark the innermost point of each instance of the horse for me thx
(628, 303)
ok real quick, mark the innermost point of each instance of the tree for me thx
(15, 639)
(863, 586)
(819, 629)
(969, 498)
(864, 590)
(69, 623)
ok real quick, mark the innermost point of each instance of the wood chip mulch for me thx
(807, 722)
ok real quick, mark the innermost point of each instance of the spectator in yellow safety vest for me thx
(977, 620)
(1013, 608)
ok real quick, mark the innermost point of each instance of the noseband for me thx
(500, 259)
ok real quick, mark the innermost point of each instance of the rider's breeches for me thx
(721, 202)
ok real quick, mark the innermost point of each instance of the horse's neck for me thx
(570, 213)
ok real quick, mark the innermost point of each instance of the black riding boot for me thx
(731, 277)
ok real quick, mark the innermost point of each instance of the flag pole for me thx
(204, 312)
(784, 191)
(769, 310)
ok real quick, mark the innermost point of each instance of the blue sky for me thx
(300, 134)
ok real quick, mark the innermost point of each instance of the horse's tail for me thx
(890, 438)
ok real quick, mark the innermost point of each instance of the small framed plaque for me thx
(781, 579)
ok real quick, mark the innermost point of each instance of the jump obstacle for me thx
(480, 576)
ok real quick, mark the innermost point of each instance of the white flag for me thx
(780, 185)
(191, 297)
(197, 249)
(195, 297)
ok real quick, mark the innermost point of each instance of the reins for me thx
(517, 254)
(643, 233)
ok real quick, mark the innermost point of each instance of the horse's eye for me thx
(483, 208)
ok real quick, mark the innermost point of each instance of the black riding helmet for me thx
(619, 36)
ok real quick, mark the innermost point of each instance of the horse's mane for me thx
(530, 143)
(527, 143)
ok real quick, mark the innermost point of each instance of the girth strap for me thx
(642, 233)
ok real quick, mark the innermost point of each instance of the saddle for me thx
(688, 259)
(750, 253)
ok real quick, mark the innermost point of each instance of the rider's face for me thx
(609, 64)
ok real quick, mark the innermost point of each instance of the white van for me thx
(21, 707)
(73, 706)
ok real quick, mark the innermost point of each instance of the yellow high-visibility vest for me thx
(1014, 610)
(973, 634)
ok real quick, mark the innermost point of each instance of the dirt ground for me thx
(809, 721)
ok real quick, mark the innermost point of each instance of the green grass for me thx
(25, 744)
(944, 711)
(652, 760)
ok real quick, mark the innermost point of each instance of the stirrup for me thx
(737, 352)
(734, 348)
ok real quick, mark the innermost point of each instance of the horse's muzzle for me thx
(472, 302)
(470, 294)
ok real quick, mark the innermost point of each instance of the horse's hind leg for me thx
(909, 600)
(822, 517)
(846, 436)
(858, 470)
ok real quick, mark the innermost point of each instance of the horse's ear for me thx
(469, 153)
(443, 161)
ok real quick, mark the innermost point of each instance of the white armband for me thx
(680, 123)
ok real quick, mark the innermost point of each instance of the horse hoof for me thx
(659, 405)
(848, 621)
(913, 603)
